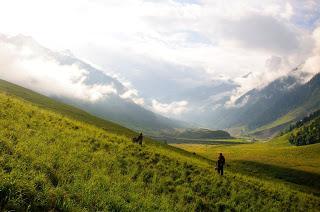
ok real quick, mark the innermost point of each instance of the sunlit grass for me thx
(277, 156)
(277, 152)
(49, 161)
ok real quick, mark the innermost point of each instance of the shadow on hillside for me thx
(311, 181)
(170, 140)
(204, 142)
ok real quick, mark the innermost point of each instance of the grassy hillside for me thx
(64, 109)
(275, 160)
(49, 161)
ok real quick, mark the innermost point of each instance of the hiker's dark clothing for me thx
(220, 163)
(140, 139)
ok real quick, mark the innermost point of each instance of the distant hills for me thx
(195, 133)
(203, 134)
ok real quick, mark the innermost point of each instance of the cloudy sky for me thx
(163, 47)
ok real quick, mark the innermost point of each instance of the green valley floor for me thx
(275, 160)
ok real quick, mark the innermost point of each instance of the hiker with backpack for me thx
(138, 140)
(220, 163)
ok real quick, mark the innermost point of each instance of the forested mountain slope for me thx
(306, 131)
(273, 108)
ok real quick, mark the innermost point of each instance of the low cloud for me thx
(273, 63)
(312, 64)
(132, 94)
(173, 108)
(24, 66)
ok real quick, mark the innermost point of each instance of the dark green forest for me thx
(308, 133)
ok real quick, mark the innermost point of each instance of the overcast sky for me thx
(164, 46)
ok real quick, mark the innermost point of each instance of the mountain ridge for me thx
(284, 96)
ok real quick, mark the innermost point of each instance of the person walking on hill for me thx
(220, 163)
(140, 139)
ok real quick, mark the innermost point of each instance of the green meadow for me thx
(275, 161)
(58, 159)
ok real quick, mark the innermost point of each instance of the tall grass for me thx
(52, 162)
(274, 160)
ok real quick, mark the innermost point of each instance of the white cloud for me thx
(288, 12)
(273, 63)
(132, 94)
(262, 32)
(25, 67)
(159, 30)
(163, 47)
(253, 80)
(167, 109)
(312, 64)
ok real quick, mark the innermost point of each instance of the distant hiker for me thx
(220, 163)
(138, 140)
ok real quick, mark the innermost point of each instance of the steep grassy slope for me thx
(51, 162)
(64, 109)
(275, 160)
